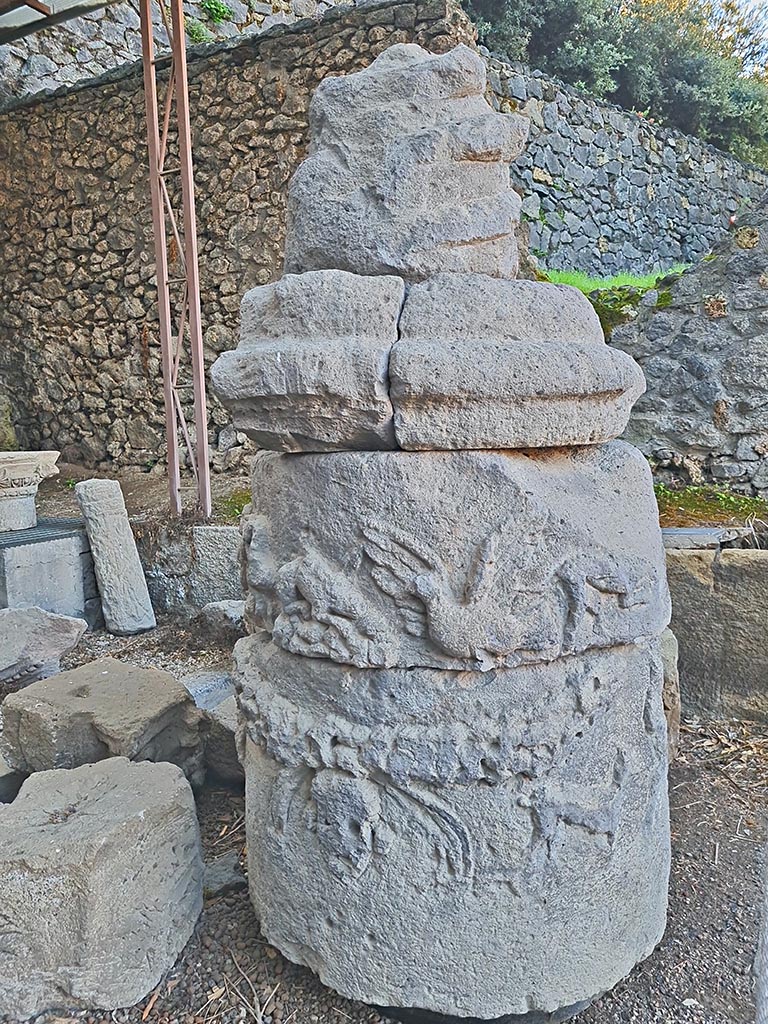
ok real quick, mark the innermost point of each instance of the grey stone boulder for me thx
(310, 372)
(395, 185)
(221, 756)
(497, 558)
(484, 363)
(100, 885)
(719, 601)
(223, 874)
(104, 709)
(32, 642)
(124, 596)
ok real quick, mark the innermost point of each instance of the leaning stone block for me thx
(32, 641)
(104, 709)
(124, 596)
(310, 373)
(493, 558)
(100, 885)
(483, 363)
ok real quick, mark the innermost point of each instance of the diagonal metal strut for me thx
(186, 286)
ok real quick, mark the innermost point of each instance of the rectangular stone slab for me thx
(484, 363)
(124, 596)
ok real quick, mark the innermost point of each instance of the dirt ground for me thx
(702, 973)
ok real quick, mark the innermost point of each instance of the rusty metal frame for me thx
(183, 227)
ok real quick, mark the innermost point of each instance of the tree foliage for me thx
(697, 65)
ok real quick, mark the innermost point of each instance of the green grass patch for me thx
(708, 506)
(588, 284)
(231, 507)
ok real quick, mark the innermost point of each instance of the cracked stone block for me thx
(484, 559)
(32, 642)
(124, 596)
(104, 709)
(394, 185)
(101, 880)
(310, 372)
(407, 805)
(484, 363)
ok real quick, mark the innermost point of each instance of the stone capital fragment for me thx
(20, 475)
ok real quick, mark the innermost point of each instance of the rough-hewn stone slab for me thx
(413, 803)
(124, 596)
(484, 363)
(104, 709)
(464, 560)
(397, 186)
(719, 601)
(100, 885)
(310, 373)
(32, 641)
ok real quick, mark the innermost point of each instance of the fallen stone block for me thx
(10, 782)
(719, 601)
(484, 363)
(224, 874)
(104, 709)
(224, 620)
(124, 596)
(101, 879)
(32, 642)
(220, 746)
(671, 691)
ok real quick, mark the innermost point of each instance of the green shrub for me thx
(216, 11)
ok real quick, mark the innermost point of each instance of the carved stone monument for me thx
(451, 698)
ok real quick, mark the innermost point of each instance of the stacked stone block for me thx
(451, 715)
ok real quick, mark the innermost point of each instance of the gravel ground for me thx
(701, 973)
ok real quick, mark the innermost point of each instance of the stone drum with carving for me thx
(450, 697)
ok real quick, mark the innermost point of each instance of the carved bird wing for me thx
(398, 564)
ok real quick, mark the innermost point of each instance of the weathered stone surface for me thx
(704, 348)
(224, 874)
(310, 373)
(224, 620)
(482, 558)
(411, 805)
(10, 782)
(210, 687)
(718, 616)
(483, 363)
(104, 709)
(671, 692)
(20, 475)
(397, 186)
(220, 745)
(32, 642)
(100, 885)
(124, 596)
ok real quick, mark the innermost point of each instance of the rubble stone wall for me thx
(79, 355)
